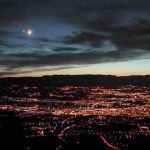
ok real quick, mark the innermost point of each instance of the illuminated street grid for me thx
(115, 115)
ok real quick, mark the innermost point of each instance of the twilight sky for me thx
(41, 37)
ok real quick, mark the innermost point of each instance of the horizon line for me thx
(3, 77)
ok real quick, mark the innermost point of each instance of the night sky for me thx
(44, 37)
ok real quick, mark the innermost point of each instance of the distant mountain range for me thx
(79, 80)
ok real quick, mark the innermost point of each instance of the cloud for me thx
(13, 71)
(75, 12)
(136, 36)
(65, 49)
(126, 24)
(38, 59)
(91, 38)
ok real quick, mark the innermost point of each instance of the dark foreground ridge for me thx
(79, 80)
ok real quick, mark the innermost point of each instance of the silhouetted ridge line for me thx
(79, 80)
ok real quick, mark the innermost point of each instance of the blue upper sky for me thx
(39, 37)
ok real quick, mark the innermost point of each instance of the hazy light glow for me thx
(28, 32)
